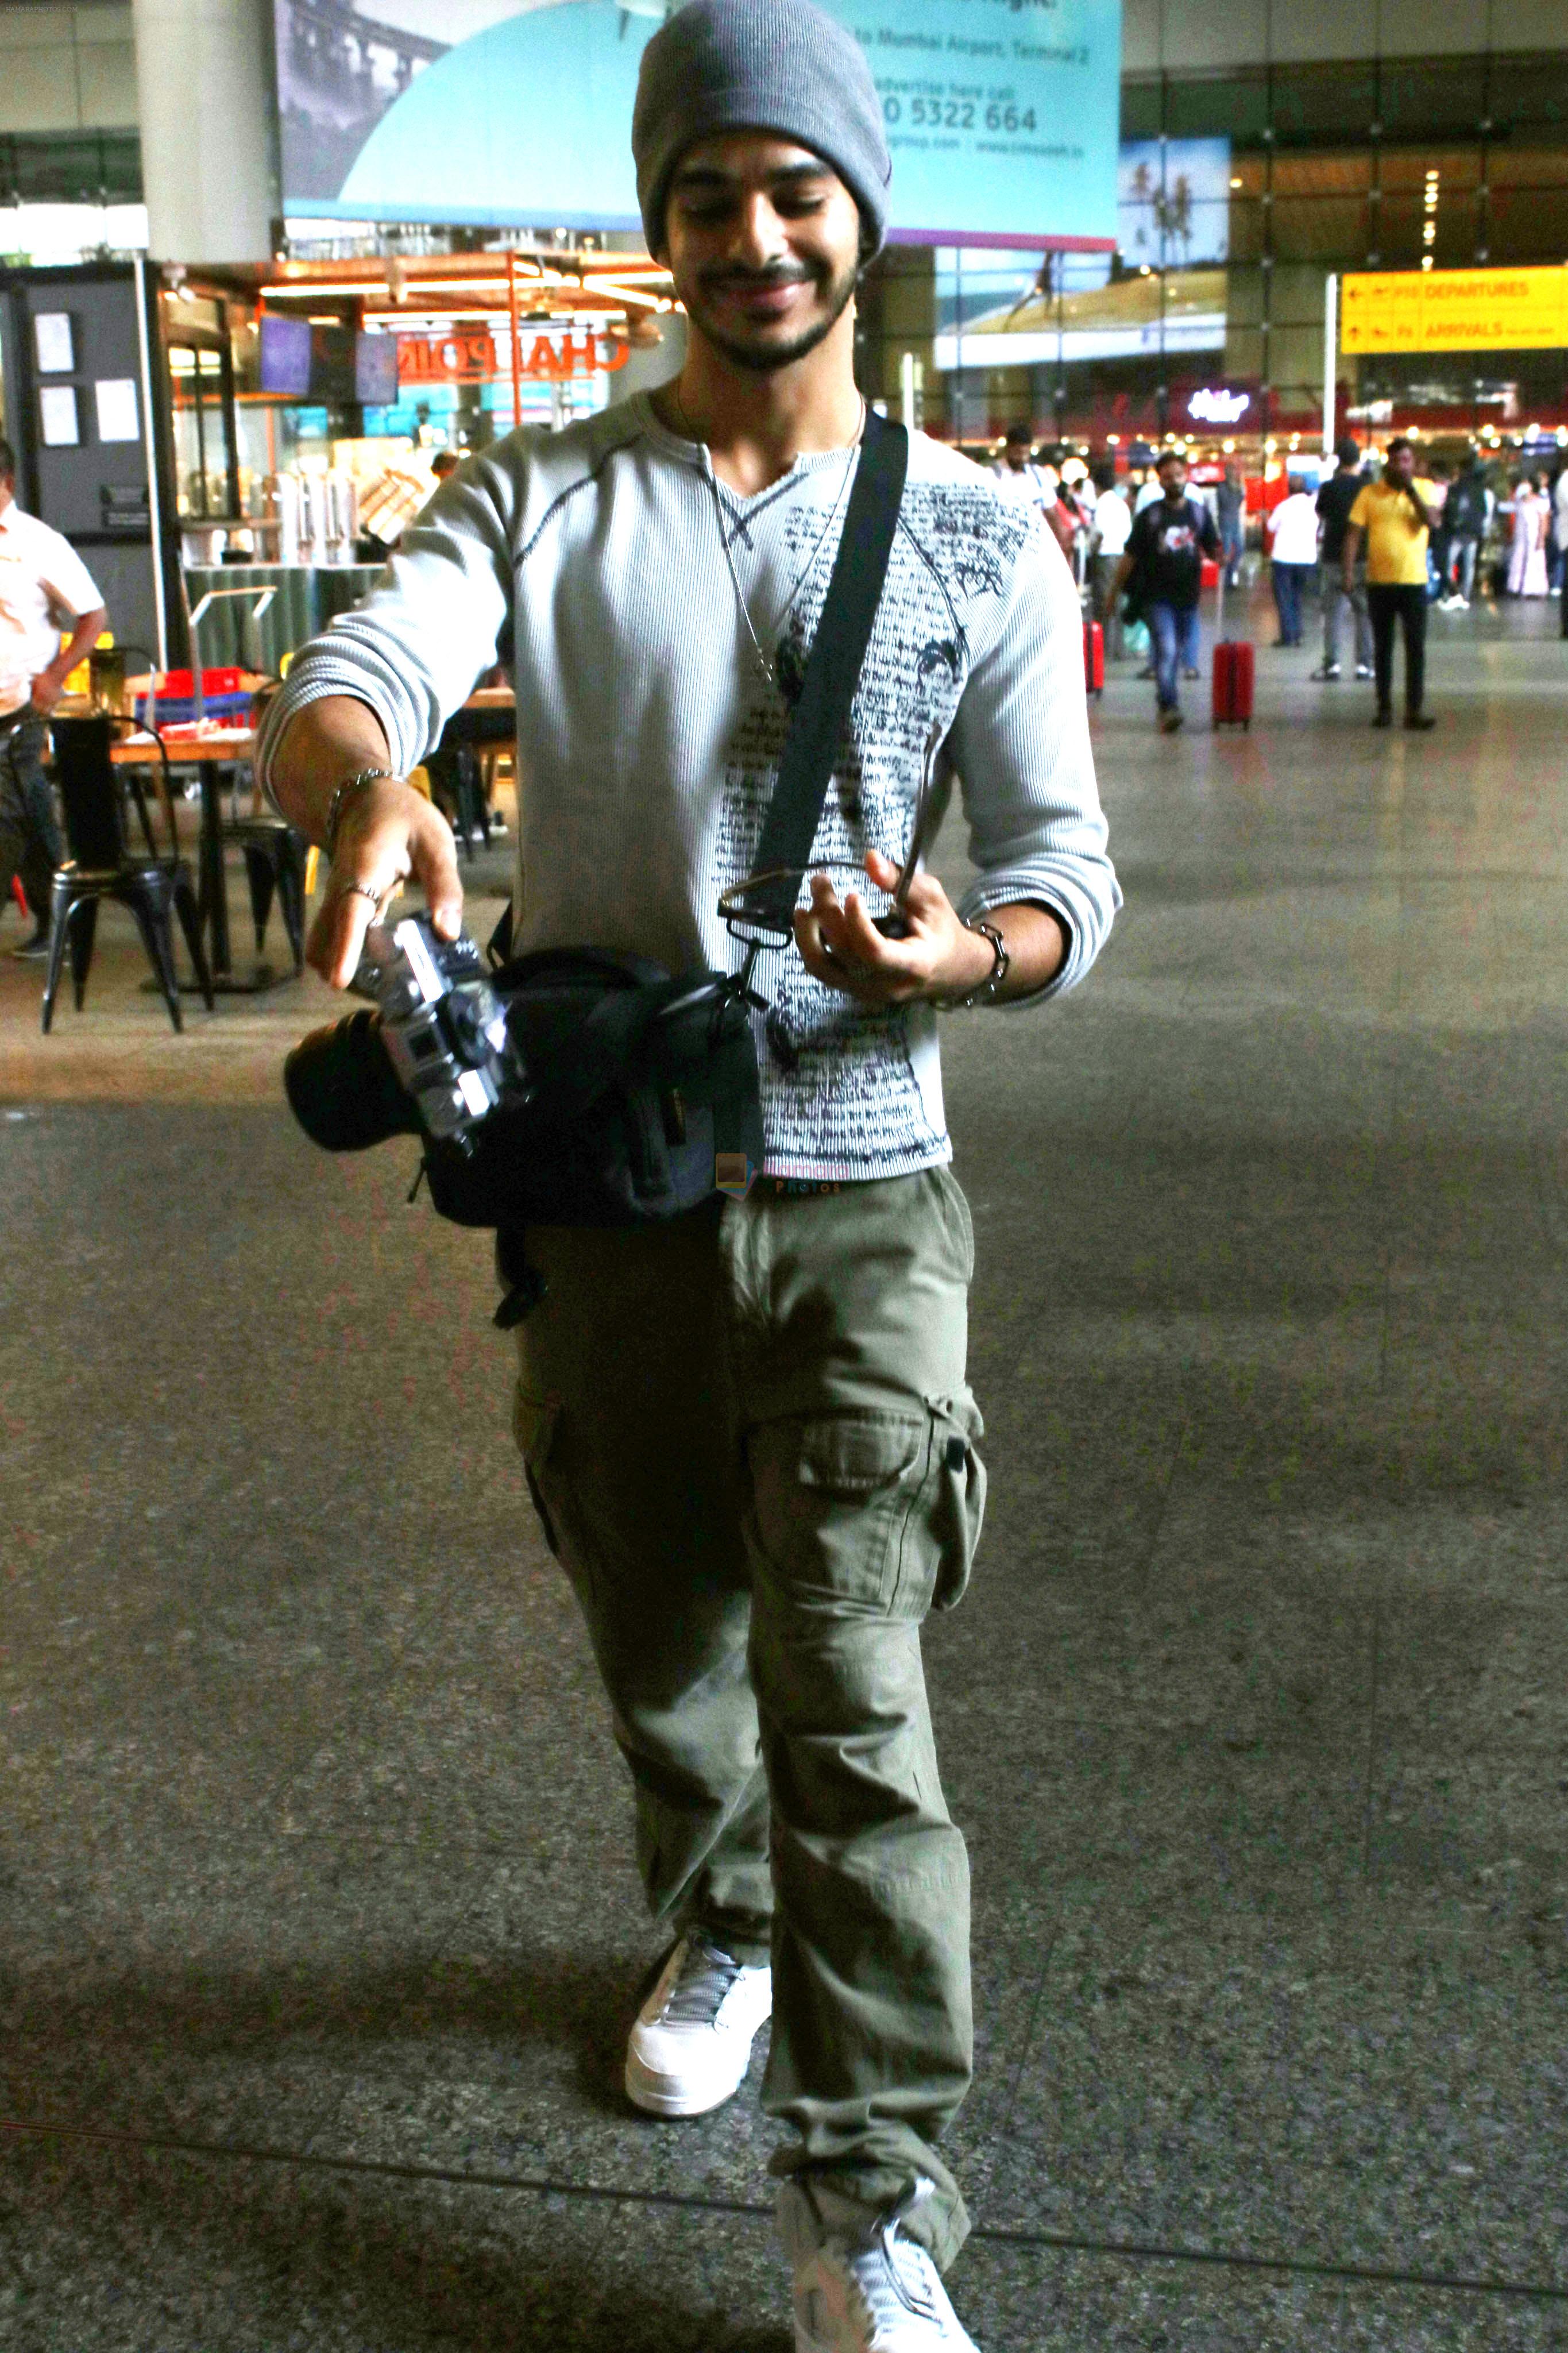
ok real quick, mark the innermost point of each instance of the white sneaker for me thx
(883, 2294)
(692, 2041)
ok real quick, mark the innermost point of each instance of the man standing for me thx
(1165, 550)
(1230, 512)
(1033, 486)
(1112, 528)
(1467, 515)
(1021, 475)
(1395, 519)
(1292, 556)
(748, 1430)
(1337, 496)
(1440, 552)
(44, 588)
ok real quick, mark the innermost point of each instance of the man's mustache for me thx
(755, 281)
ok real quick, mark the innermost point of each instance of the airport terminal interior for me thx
(320, 1926)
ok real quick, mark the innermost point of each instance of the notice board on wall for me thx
(1454, 311)
(1002, 115)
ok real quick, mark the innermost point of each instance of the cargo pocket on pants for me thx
(533, 1421)
(939, 1549)
(830, 1496)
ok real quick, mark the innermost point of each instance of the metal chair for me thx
(274, 862)
(273, 855)
(457, 780)
(154, 884)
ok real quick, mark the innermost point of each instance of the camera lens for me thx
(343, 1089)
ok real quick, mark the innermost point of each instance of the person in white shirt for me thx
(1560, 528)
(1112, 528)
(1149, 490)
(1022, 478)
(1293, 548)
(45, 590)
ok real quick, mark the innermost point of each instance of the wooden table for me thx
(208, 748)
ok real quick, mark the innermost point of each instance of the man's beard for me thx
(836, 296)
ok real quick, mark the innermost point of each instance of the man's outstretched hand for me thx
(390, 835)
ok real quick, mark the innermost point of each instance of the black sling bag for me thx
(644, 1099)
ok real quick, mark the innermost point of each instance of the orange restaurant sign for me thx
(474, 356)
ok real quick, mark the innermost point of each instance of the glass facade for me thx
(1216, 296)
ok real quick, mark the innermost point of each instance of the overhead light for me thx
(1235, 180)
(1113, 440)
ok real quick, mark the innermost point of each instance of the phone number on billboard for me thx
(957, 114)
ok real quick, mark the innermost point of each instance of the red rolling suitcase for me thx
(1232, 674)
(1094, 658)
(1233, 683)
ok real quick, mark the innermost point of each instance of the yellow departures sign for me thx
(1454, 311)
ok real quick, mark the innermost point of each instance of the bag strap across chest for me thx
(832, 673)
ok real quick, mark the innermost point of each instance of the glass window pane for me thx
(1314, 104)
(1139, 109)
(1418, 96)
(1409, 168)
(1508, 166)
(1322, 175)
(1296, 294)
(1321, 228)
(1528, 225)
(1530, 90)
(1226, 106)
(1399, 220)
(1247, 229)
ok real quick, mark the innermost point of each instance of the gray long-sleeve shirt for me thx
(595, 560)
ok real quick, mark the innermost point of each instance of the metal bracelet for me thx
(336, 806)
(985, 992)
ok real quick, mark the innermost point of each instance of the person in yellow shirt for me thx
(1395, 516)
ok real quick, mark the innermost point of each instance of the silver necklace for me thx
(766, 669)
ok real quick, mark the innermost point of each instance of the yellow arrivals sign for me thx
(1454, 311)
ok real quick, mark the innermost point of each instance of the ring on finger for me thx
(362, 891)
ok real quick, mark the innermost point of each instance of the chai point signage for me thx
(1454, 311)
(473, 355)
(1001, 115)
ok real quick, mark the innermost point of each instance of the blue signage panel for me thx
(1002, 115)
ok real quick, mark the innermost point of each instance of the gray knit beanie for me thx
(759, 65)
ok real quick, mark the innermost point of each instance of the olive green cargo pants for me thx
(749, 1440)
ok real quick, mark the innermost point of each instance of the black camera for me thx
(436, 1058)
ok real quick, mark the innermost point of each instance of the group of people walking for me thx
(1382, 547)
(1142, 551)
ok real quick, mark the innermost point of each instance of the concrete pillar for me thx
(204, 83)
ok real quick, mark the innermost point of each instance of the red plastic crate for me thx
(177, 685)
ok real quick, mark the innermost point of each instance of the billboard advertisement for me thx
(1001, 114)
(1166, 294)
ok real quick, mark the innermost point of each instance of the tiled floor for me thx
(318, 1931)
